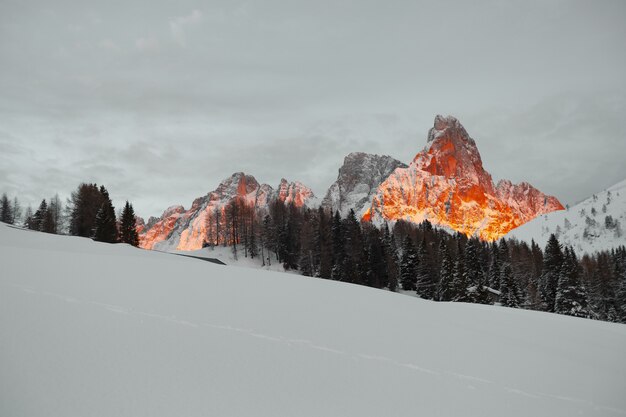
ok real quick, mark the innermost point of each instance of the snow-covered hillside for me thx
(597, 223)
(91, 329)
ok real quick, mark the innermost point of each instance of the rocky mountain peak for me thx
(447, 185)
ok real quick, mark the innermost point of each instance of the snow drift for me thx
(94, 329)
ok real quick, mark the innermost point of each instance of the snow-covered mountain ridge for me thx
(597, 223)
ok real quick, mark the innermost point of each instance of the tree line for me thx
(89, 212)
(428, 262)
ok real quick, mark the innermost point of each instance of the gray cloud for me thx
(162, 100)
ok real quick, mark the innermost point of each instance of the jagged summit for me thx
(443, 124)
(357, 181)
(447, 185)
(184, 229)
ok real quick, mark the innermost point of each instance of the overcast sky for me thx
(161, 100)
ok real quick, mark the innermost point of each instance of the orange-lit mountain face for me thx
(447, 185)
(182, 229)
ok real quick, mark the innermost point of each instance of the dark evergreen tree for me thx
(37, 222)
(338, 248)
(323, 245)
(128, 226)
(446, 290)
(571, 295)
(509, 291)
(6, 212)
(408, 265)
(474, 276)
(83, 206)
(377, 273)
(552, 261)
(391, 257)
(29, 219)
(495, 267)
(48, 225)
(425, 281)
(105, 225)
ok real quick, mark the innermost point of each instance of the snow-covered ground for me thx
(584, 225)
(227, 256)
(90, 329)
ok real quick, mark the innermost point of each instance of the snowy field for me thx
(90, 329)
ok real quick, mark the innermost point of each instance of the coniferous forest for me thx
(416, 259)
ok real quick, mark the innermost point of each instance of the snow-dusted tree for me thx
(495, 267)
(16, 209)
(509, 291)
(425, 283)
(446, 282)
(56, 214)
(474, 276)
(408, 265)
(391, 257)
(338, 248)
(552, 261)
(571, 295)
(28, 218)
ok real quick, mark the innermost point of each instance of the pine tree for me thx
(495, 267)
(128, 226)
(552, 261)
(571, 295)
(323, 245)
(338, 248)
(48, 224)
(459, 283)
(620, 298)
(6, 212)
(474, 275)
(16, 211)
(29, 221)
(56, 217)
(408, 265)
(509, 291)
(391, 257)
(446, 283)
(425, 282)
(37, 222)
(83, 207)
(105, 225)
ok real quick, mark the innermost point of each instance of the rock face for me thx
(447, 185)
(182, 229)
(296, 193)
(357, 182)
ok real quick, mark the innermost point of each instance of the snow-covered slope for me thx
(357, 181)
(90, 329)
(597, 223)
(447, 185)
(180, 229)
